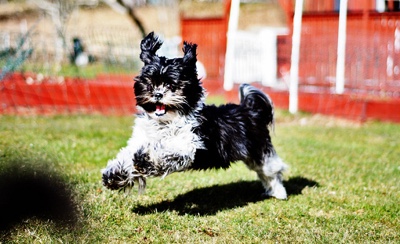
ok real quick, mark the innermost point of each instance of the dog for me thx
(175, 131)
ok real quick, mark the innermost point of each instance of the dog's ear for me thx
(189, 50)
(149, 46)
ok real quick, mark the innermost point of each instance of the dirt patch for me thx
(15, 10)
(255, 15)
(252, 15)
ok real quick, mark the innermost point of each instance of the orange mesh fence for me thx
(107, 95)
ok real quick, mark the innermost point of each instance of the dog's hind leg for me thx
(270, 174)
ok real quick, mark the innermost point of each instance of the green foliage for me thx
(343, 186)
(12, 59)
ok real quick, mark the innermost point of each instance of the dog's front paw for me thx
(111, 180)
(120, 173)
(279, 192)
(116, 177)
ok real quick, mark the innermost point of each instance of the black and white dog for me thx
(175, 131)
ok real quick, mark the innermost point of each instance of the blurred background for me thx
(80, 56)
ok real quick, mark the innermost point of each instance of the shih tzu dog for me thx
(175, 131)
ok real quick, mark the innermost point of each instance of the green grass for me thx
(343, 186)
(92, 70)
(86, 72)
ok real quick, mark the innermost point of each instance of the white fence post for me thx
(230, 44)
(294, 67)
(341, 49)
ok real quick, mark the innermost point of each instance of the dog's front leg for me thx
(153, 164)
(131, 165)
(120, 173)
(146, 165)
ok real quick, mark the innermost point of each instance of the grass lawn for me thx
(343, 184)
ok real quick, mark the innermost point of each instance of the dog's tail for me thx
(257, 101)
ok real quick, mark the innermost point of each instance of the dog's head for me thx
(167, 88)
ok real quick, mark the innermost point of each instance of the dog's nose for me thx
(158, 96)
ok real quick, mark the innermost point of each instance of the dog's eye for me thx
(149, 88)
(170, 87)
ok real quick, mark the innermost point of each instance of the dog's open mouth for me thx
(161, 109)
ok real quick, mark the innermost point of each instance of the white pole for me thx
(380, 6)
(341, 49)
(230, 44)
(294, 67)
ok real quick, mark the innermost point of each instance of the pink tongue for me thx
(160, 109)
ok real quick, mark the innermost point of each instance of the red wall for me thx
(372, 52)
(210, 35)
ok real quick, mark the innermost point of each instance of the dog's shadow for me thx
(210, 200)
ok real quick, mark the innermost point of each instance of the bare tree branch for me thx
(128, 6)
